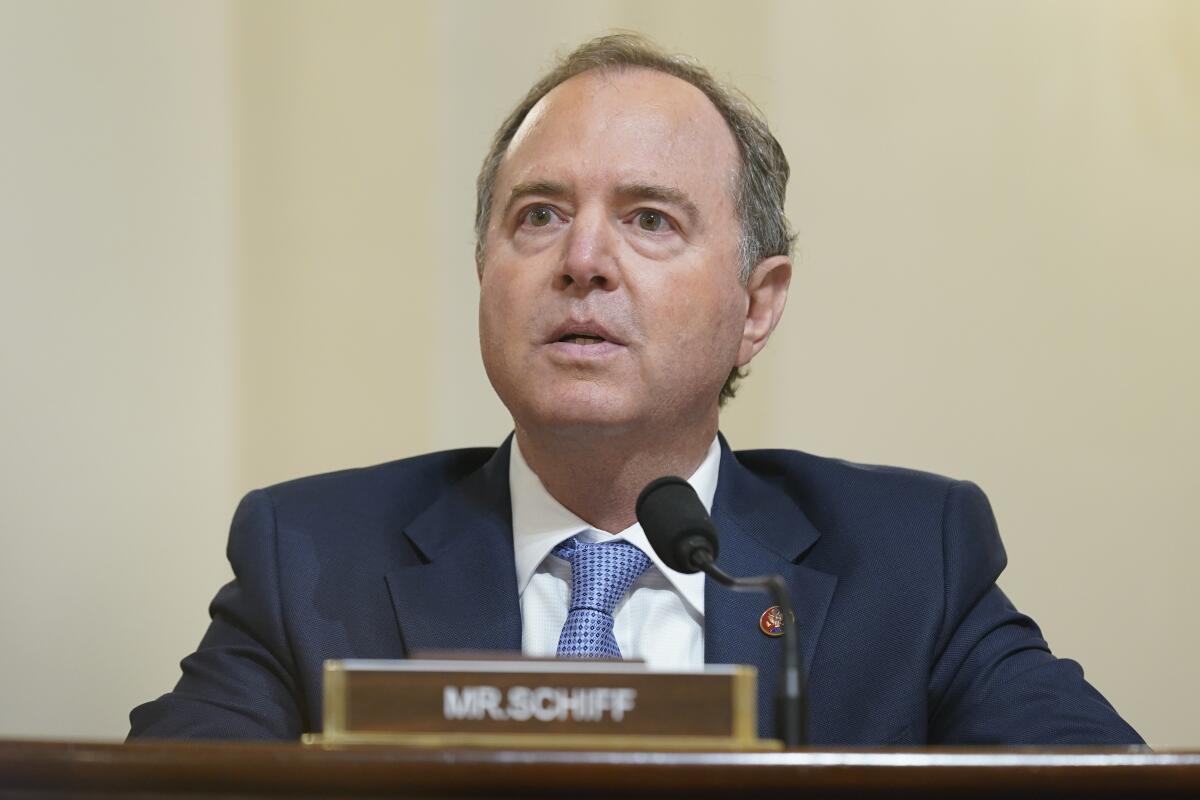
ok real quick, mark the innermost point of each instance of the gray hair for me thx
(761, 185)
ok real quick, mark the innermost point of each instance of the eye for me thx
(539, 216)
(653, 221)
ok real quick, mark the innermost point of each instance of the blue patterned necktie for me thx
(601, 574)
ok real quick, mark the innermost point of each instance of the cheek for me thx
(492, 302)
(729, 322)
(700, 329)
(506, 309)
(498, 285)
(707, 311)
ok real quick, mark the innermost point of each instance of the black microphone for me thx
(684, 537)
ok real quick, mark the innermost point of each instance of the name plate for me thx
(539, 704)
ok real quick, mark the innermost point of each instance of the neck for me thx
(599, 478)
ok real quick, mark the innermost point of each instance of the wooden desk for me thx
(76, 769)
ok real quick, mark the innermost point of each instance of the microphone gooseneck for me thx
(684, 537)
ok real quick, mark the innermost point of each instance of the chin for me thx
(581, 410)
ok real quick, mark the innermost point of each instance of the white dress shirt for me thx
(661, 618)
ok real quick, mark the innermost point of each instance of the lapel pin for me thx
(771, 621)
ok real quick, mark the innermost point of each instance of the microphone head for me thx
(676, 523)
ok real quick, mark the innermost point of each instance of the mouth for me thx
(584, 341)
(584, 333)
(582, 338)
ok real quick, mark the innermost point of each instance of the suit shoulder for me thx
(893, 518)
(814, 467)
(395, 489)
(820, 482)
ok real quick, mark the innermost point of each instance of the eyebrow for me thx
(635, 191)
(661, 194)
(527, 188)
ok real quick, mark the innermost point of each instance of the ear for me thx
(767, 293)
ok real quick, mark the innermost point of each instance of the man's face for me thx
(609, 292)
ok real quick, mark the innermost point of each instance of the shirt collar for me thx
(540, 522)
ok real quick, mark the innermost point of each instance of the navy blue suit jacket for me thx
(906, 637)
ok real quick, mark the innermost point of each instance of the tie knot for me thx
(601, 572)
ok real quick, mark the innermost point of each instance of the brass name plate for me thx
(531, 703)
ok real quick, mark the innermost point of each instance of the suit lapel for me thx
(463, 593)
(762, 531)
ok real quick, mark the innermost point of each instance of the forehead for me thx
(627, 125)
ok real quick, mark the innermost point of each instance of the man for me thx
(633, 257)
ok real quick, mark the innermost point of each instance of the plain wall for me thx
(236, 247)
(117, 336)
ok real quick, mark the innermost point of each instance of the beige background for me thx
(235, 247)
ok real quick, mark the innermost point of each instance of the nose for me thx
(590, 258)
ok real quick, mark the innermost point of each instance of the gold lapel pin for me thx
(771, 621)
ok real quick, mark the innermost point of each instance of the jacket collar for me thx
(463, 593)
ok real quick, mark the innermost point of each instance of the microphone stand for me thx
(790, 713)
